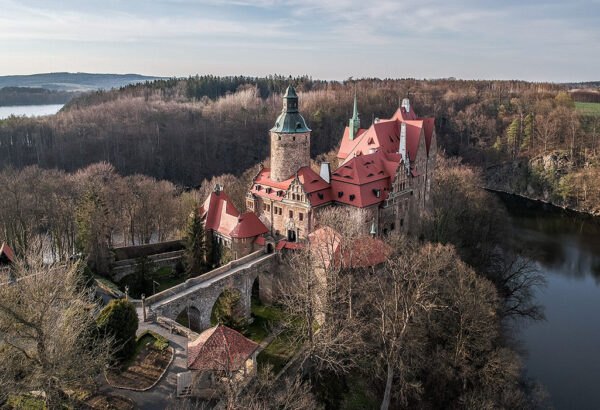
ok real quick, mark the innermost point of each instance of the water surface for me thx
(29, 110)
(563, 352)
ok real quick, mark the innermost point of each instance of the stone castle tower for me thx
(290, 140)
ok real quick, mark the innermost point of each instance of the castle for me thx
(384, 179)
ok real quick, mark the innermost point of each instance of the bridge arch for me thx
(229, 308)
(191, 317)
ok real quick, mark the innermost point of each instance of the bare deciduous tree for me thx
(48, 338)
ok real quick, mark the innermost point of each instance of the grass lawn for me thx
(152, 356)
(266, 319)
(279, 351)
(588, 108)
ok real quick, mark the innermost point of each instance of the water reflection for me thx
(562, 352)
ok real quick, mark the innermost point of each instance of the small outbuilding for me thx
(217, 354)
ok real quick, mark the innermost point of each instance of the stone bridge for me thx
(197, 296)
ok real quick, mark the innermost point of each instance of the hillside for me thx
(34, 96)
(73, 81)
(532, 138)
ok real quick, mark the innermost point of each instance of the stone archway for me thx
(191, 318)
(229, 309)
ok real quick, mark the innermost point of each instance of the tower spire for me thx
(354, 123)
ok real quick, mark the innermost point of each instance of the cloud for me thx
(26, 23)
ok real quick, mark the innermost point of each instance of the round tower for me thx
(290, 140)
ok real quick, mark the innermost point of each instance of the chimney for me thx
(217, 189)
(325, 172)
(402, 147)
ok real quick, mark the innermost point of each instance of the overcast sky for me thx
(326, 39)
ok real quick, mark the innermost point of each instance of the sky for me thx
(531, 40)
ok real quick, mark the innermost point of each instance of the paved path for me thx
(207, 283)
(163, 394)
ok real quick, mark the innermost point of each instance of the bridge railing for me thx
(202, 278)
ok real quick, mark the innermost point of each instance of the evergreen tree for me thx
(512, 136)
(120, 320)
(498, 147)
(195, 245)
(527, 132)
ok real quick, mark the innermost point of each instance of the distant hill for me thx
(34, 96)
(79, 82)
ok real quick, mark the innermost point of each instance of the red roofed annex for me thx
(384, 178)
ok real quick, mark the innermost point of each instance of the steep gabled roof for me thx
(222, 216)
(248, 226)
(219, 349)
(7, 256)
(347, 144)
(220, 213)
(385, 136)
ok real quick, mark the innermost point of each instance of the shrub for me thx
(119, 319)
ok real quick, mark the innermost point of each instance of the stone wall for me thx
(289, 152)
(127, 267)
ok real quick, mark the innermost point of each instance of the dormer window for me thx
(352, 197)
(268, 190)
(320, 195)
(340, 194)
(377, 193)
(258, 187)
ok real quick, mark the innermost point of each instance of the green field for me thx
(588, 108)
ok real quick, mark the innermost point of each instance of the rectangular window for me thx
(291, 214)
(301, 216)
(268, 207)
(280, 211)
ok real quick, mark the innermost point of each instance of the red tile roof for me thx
(260, 240)
(6, 254)
(365, 180)
(385, 136)
(311, 182)
(222, 216)
(289, 245)
(347, 145)
(326, 244)
(248, 226)
(219, 349)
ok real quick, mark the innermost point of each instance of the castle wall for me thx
(289, 153)
(277, 215)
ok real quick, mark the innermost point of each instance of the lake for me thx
(29, 110)
(563, 352)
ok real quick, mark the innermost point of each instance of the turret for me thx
(290, 140)
(354, 123)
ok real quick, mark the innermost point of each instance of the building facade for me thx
(384, 177)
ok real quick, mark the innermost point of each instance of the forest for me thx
(429, 329)
(33, 96)
(536, 139)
